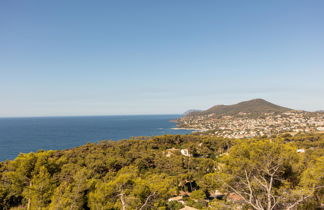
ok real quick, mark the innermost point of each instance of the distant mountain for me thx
(192, 111)
(254, 106)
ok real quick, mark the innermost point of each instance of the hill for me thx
(166, 172)
(254, 106)
(252, 118)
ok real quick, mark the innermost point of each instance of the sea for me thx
(24, 135)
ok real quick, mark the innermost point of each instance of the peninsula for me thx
(252, 118)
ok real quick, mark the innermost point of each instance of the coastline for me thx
(24, 135)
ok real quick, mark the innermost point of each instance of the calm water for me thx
(31, 134)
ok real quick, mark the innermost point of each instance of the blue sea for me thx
(24, 135)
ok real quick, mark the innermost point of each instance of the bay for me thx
(24, 135)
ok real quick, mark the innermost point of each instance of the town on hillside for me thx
(240, 121)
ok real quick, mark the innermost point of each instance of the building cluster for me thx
(245, 125)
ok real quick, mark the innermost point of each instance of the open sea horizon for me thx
(30, 134)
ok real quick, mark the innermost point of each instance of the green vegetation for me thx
(144, 173)
(255, 106)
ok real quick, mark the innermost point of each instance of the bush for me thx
(175, 205)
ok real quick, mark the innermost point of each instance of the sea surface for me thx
(24, 135)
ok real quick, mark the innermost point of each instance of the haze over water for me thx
(23, 135)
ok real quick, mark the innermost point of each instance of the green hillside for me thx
(254, 106)
(146, 173)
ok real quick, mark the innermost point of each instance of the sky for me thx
(116, 57)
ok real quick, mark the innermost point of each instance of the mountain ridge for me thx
(254, 106)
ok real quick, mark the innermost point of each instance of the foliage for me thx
(267, 174)
(198, 195)
(143, 173)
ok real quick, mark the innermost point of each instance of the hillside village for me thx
(249, 124)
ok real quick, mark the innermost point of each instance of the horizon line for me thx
(104, 115)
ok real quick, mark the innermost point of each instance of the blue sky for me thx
(155, 57)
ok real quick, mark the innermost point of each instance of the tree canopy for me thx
(152, 173)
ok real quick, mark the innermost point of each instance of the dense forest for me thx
(170, 172)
